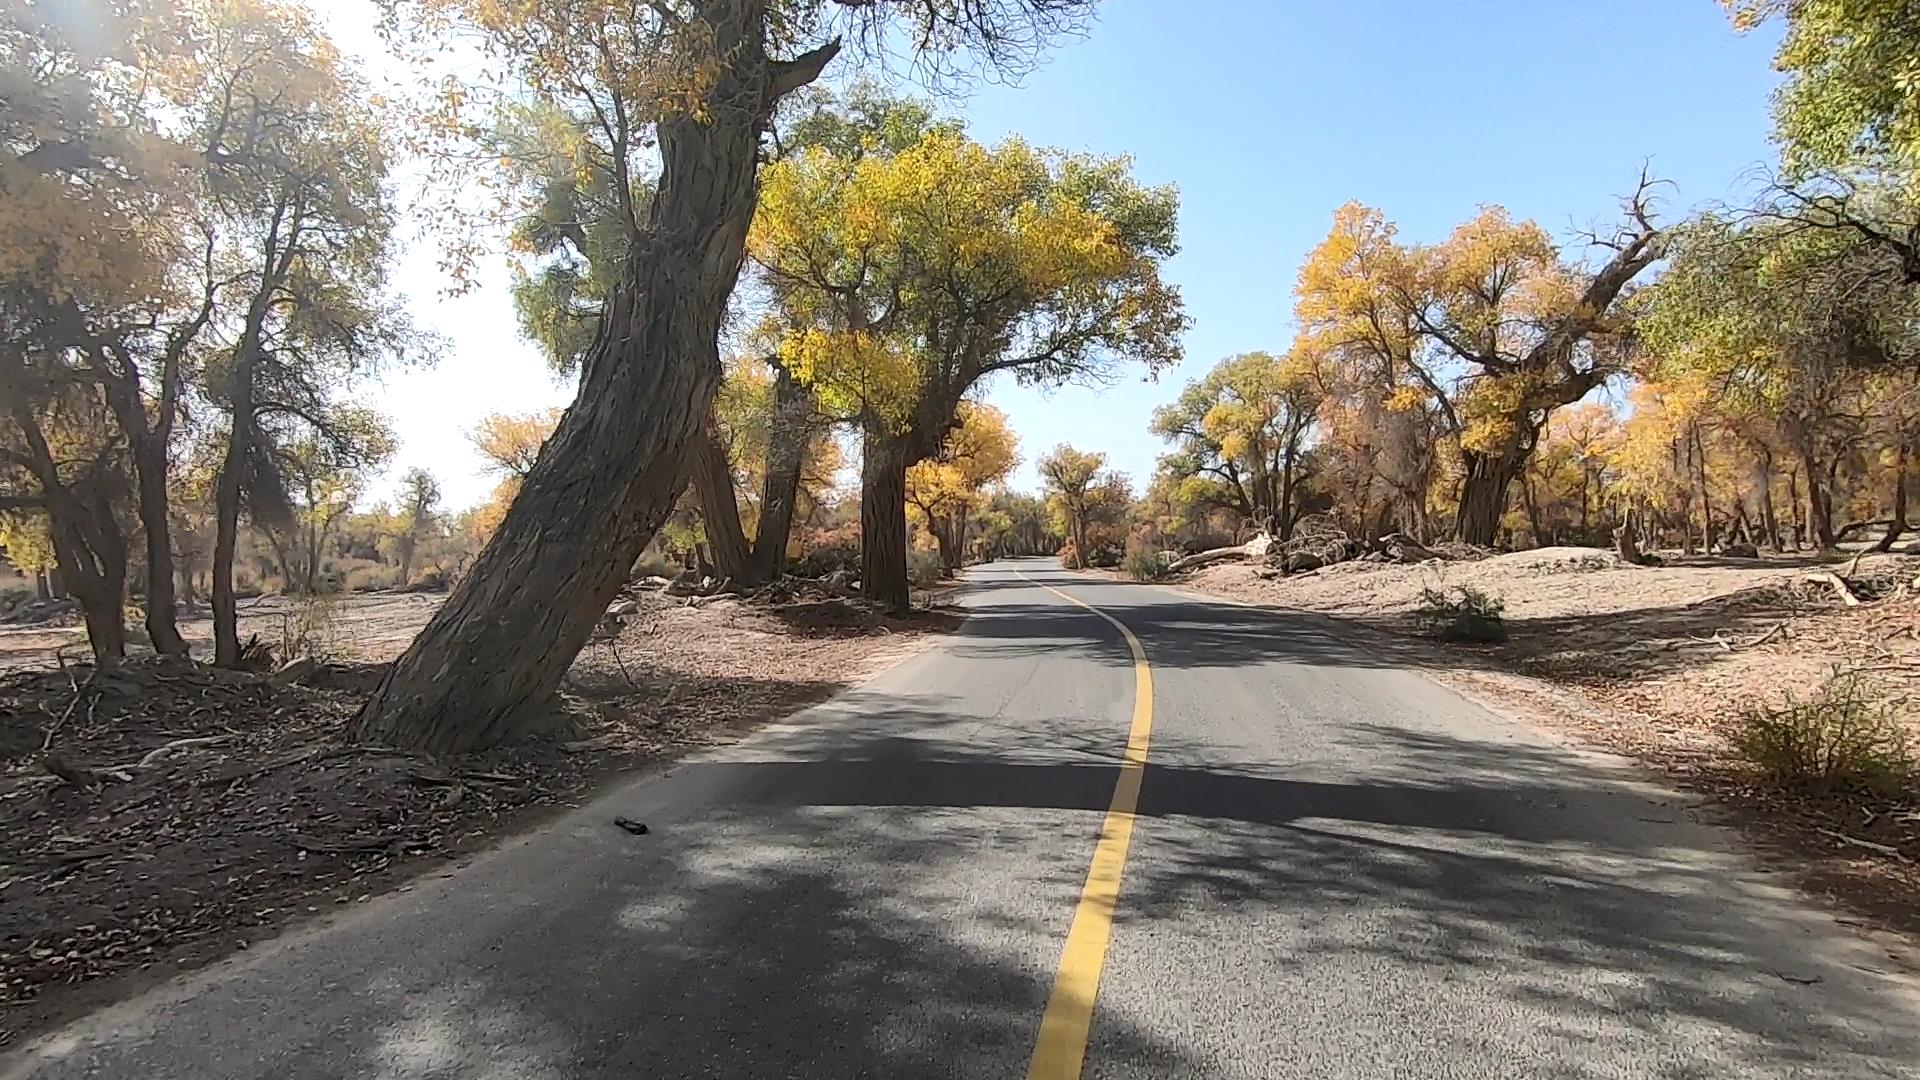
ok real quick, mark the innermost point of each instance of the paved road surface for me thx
(1337, 869)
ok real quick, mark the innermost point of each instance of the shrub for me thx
(1142, 563)
(828, 550)
(12, 598)
(1070, 556)
(1462, 613)
(307, 630)
(370, 577)
(924, 568)
(1847, 735)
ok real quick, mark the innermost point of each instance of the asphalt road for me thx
(1336, 869)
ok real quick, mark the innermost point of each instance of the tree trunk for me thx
(712, 481)
(1483, 496)
(226, 535)
(1819, 509)
(788, 430)
(1769, 520)
(484, 669)
(1533, 511)
(1285, 527)
(1898, 522)
(1799, 507)
(150, 474)
(959, 537)
(883, 519)
(1706, 496)
(405, 551)
(42, 584)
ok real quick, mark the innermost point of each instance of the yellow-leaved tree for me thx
(690, 85)
(947, 489)
(902, 279)
(1493, 329)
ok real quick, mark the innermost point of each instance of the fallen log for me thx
(1832, 580)
(1208, 558)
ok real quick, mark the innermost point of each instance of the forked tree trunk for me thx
(484, 669)
(1819, 506)
(883, 519)
(150, 474)
(1483, 495)
(712, 480)
(946, 537)
(89, 549)
(787, 432)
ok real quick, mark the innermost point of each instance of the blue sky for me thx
(1268, 115)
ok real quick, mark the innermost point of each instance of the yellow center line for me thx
(1061, 1049)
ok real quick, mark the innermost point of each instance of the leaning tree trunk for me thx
(484, 669)
(1483, 495)
(712, 481)
(787, 433)
(883, 519)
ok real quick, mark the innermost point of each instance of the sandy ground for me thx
(363, 626)
(1659, 663)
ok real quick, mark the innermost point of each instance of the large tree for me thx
(1493, 327)
(905, 279)
(1240, 435)
(1782, 314)
(1852, 87)
(1081, 493)
(691, 84)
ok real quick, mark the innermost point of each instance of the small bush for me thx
(1144, 564)
(654, 563)
(307, 630)
(370, 577)
(12, 598)
(1070, 556)
(924, 568)
(1847, 735)
(1462, 613)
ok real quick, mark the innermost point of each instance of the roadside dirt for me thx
(203, 810)
(371, 627)
(1658, 663)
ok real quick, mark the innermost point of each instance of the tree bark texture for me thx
(712, 479)
(484, 669)
(787, 432)
(149, 449)
(1819, 508)
(1483, 495)
(89, 547)
(884, 458)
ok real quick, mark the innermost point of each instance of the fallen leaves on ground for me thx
(203, 809)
